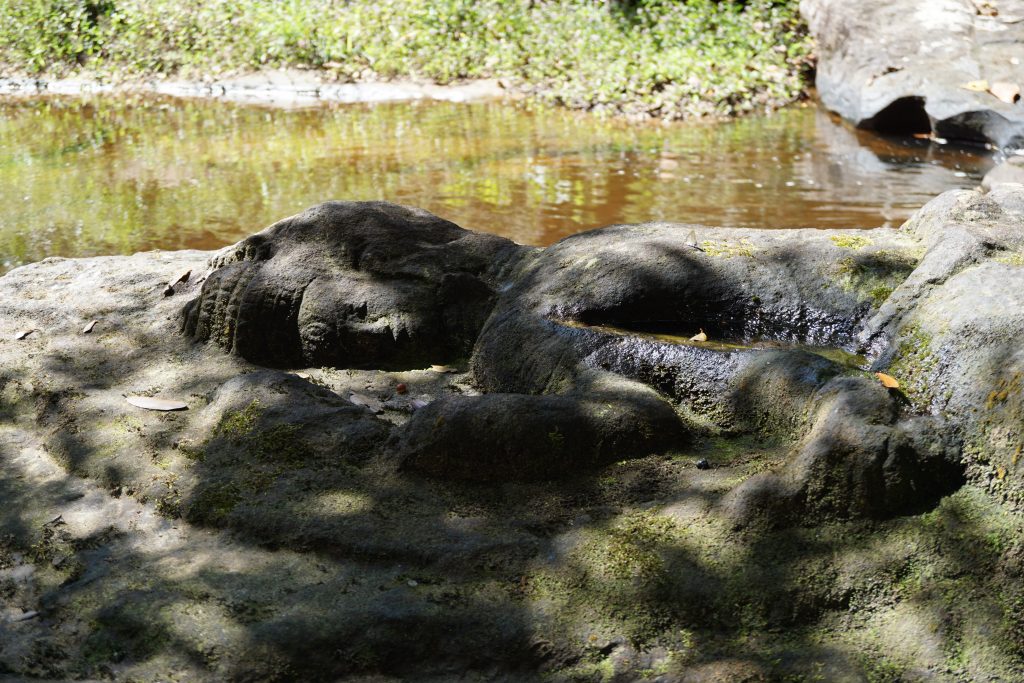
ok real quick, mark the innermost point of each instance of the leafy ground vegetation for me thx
(648, 57)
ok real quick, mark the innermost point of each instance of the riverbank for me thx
(650, 59)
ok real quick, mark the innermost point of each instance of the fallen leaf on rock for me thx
(975, 86)
(150, 403)
(418, 403)
(888, 381)
(181, 277)
(21, 334)
(1006, 92)
(369, 402)
(443, 368)
(691, 240)
(89, 327)
(701, 337)
(1000, 473)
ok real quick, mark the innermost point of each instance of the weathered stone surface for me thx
(761, 296)
(503, 437)
(952, 331)
(1010, 171)
(352, 284)
(859, 460)
(901, 67)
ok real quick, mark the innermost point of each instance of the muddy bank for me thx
(395, 426)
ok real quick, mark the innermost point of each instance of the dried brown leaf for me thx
(888, 381)
(181, 277)
(89, 327)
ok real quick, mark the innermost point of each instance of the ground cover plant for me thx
(650, 57)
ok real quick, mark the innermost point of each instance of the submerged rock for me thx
(921, 66)
(1010, 171)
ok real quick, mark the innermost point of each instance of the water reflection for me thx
(118, 175)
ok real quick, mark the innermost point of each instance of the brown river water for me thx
(115, 175)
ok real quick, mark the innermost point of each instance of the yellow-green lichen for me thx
(1011, 258)
(850, 241)
(744, 247)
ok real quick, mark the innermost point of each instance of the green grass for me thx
(662, 58)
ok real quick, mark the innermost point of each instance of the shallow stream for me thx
(122, 174)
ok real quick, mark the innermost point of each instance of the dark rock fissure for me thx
(905, 116)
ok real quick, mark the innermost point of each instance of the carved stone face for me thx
(351, 284)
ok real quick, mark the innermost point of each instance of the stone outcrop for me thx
(954, 328)
(902, 67)
(576, 486)
(574, 350)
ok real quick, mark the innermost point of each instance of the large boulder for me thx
(901, 67)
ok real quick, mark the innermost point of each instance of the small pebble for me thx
(401, 388)
(703, 464)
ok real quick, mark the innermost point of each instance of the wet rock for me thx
(586, 302)
(1010, 171)
(351, 284)
(901, 67)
